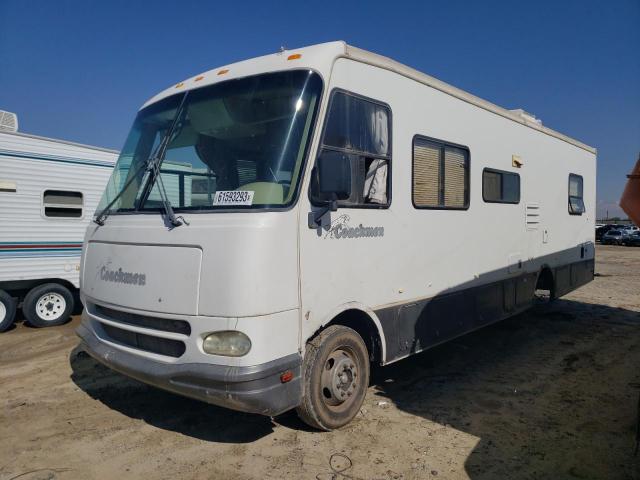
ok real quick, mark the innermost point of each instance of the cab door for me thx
(346, 253)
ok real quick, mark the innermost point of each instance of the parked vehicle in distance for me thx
(49, 190)
(633, 240)
(600, 231)
(280, 239)
(613, 237)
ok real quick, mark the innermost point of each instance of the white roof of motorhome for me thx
(321, 58)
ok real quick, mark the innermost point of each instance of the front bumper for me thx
(254, 389)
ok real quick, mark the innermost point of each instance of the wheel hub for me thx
(339, 379)
(50, 306)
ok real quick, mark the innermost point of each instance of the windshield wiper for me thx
(104, 213)
(153, 167)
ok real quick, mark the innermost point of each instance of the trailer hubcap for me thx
(51, 306)
(339, 377)
(3, 311)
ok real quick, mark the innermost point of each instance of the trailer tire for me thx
(7, 310)
(48, 305)
(335, 378)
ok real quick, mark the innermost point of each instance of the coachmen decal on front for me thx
(118, 276)
(340, 228)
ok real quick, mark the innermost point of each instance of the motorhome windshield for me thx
(238, 144)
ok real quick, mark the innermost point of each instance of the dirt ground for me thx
(549, 394)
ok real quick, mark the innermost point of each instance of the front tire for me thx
(7, 310)
(335, 378)
(48, 305)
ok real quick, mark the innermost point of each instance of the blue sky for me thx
(79, 69)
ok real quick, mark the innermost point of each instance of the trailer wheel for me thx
(7, 310)
(48, 305)
(335, 378)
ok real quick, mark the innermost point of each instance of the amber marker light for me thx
(222, 72)
(198, 78)
(295, 56)
(179, 85)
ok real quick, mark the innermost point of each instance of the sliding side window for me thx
(440, 175)
(62, 204)
(499, 186)
(576, 200)
(360, 129)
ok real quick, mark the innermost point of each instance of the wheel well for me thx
(545, 280)
(362, 323)
(20, 288)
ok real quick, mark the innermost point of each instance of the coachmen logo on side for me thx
(340, 228)
(118, 276)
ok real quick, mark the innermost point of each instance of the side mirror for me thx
(334, 175)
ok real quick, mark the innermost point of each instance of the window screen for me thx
(576, 200)
(60, 203)
(360, 129)
(440, 175)
(500, 187)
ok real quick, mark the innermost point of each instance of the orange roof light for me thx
(179, 85)
(198, 78)
(295, 56)
(222, 72)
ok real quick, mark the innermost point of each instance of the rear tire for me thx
(335, 378)
(48, 305)
(7, 310)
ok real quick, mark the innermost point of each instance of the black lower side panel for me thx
(415, 326)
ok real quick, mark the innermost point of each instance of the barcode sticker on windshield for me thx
(233, 197)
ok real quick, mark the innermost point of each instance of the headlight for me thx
(229, 343)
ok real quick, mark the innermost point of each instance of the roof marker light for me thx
(179, 85)
(295, 56)
(198, 78)
(222, 72)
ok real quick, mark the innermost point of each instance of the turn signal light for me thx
(295, 56)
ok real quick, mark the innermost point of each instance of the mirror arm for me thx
(315, 218)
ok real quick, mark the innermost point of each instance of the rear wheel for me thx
(7, 310)
(335, 378)
(48, 305)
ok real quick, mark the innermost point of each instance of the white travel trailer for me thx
(49, 190)
(323, 230)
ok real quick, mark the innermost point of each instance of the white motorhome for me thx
(49, 190)
(315, 229)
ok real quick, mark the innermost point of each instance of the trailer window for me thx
(62, 204)
(500, 187)
(576, 200)
(360, 128)
(440, 174)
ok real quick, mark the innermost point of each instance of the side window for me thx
(499, 186)
(440, 175)
(576, 201)
(360, 129)
(62, 204)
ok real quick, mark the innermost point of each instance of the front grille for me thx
(161, 346)
(164, 324)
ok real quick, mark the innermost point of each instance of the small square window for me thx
(576, 199)
(500, 187)
(62, 204)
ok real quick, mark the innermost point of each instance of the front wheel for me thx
(7, 310)
(335, 378)
(48, 305)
